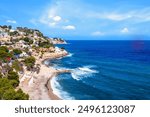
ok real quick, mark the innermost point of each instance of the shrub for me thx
(29, 62)
(17, 51)
(7, 91)
(13, 75)
(17, 65)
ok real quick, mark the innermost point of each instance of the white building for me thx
(24, 54)
(57, 50)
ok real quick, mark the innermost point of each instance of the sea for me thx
(104, 70)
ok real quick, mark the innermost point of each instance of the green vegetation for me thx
(17, 51)
(4, 54)
(30, 43)
(4, 48)
(45, 44)
(40, 34)
(8, 84)
(28, 40)
(13, 75)
(7, 91)
(9, 80)
(5, 26)
(17, 65)
(14, 83)
(1, 75)
(10, 27)
(30, 62)
(13, 33)
(58, 39)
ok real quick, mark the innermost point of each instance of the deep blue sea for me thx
(104, 70)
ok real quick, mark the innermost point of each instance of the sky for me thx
(88, 18)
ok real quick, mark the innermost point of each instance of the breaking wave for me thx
(70, 55)
(83, 72)
(57, 89)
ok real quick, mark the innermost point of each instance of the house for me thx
(24, 54)
(11, 30)
(21, 33)
(35, 34)
(3, 35)
(57, 50)
(21, 44)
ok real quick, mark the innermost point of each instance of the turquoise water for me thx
(104, 70)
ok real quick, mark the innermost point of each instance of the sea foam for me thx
(70, 55)
(82, 72)
(57, 89)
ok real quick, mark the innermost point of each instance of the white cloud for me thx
(125, 30)
(60, 17)
(69, 27)
(51, 18)
(133, 16)
(52, 24)
(117, 17)
(114, 16)
(97, 33)
(49, 21)
(11, 21)
(57, 18)
(89, 18)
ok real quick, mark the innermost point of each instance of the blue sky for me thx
(64, 18)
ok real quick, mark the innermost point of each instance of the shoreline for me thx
(50, 89)
(38, 85)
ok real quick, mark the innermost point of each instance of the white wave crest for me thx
(83, 72)
(46, 62)
(57, 89)
(59, 58)
(70, 55)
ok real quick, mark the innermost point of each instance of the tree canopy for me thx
(7, 92)
(17, 51)
(45, 44)
(13, 75)
(30, 62)
(17, 65)
(28, 40)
